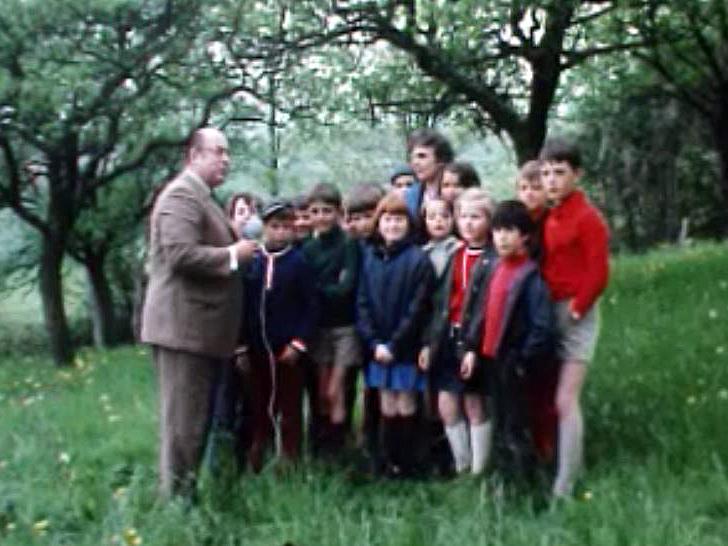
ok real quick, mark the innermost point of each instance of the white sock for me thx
(480, 442)
(571, 446)
(457, 436)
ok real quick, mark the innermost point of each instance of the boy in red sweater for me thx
(576, 268)
(541, 383)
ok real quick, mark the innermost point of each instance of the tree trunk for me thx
(528, 139)
(273, 135)
(62, 172)
(103, 316)
(54, 313)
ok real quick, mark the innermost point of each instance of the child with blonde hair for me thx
(468, 432)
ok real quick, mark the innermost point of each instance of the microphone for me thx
(252, 229)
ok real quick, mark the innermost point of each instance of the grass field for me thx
(77, 448)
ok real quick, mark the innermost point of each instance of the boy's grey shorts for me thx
(337, 346)
(577, 338)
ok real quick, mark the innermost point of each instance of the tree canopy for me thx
(97, 96)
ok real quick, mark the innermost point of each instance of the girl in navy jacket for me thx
(393, 303)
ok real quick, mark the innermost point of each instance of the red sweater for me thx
(495, 303)
(463, 261)
(576, 247)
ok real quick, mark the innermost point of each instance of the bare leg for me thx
(571, 426)
(406, 403)
(336, 393)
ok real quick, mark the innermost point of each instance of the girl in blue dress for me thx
(393, 305)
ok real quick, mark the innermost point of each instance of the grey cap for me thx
(274, 207)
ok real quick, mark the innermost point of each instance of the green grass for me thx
(77, 448)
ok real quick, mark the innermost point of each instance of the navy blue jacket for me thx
(281, 301)
(394, 298)
(528, 336)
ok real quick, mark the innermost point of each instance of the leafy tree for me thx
(645, 156)
(688, 42)
(88, 92)
(501, 60)
(105, 241)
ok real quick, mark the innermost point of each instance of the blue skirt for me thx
(398, 376)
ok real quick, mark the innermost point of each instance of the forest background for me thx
(96, 97)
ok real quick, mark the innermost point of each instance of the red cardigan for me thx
(576, 252)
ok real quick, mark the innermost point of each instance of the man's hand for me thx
(575, 315)
(289, 356)
(423, 360)
(382, 354)
(242, 363)
(244, 249)
(467, 366)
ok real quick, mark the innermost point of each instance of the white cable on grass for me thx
(267, 285)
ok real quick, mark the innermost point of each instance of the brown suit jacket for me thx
(194, 300)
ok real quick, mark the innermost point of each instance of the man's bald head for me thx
(200, 138)
(208, 156)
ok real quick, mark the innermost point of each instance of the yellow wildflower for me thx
(41, 526)
(131, 537)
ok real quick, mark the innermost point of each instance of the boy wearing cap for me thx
(279, 318)
(402, 177)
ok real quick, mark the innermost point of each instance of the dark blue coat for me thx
(281, 301)
(394, 298)
(525, 347)
(529, 322)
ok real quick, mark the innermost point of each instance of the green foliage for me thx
(77, 448)
(356, 152)
(90, 69)
(648, 157)
(497, 63)
(19, 250)
(87, 94)
(21, 313)
(687, 43)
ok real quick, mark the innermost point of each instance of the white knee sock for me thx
(571, 445)
(480, 442)
(457, 435)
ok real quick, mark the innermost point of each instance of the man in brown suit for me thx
(193, 304)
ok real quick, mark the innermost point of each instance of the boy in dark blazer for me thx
(280, 314)
(510, 332)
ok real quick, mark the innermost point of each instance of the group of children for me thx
(468, 320)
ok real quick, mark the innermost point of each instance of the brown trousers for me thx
(186, 387)
(286, 397)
